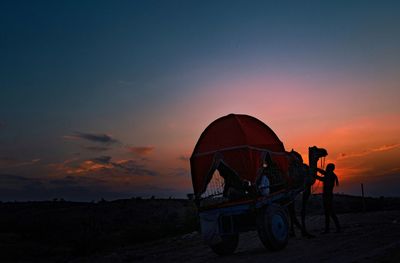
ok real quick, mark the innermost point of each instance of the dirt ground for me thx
(366, 237)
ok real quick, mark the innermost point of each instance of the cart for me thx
(231, 156)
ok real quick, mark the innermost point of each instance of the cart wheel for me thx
(227, 245)
(272, 226)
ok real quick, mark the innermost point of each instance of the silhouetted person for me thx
(329, 179)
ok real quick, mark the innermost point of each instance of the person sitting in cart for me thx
(234, 189)
(269, 179)
(263, 181)
(329, 180)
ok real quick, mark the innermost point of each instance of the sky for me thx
(107, 99)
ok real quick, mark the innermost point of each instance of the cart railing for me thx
(283, 195)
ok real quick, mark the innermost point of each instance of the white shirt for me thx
(264, 185)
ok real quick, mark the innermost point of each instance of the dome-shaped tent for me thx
(242, 142)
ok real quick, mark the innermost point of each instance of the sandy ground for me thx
(366, 237)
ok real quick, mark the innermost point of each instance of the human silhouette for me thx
(329, 179)
(263, 182)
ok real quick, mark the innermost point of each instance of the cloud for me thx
(12, 162)
(132, 167)
(184, 158)
(368, 151)
(102, 165)
(180, 172)
(102, 159)
(93, 137)
(141, 150)
(96, 148)
(386, 147)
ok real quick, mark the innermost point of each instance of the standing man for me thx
(329, 179)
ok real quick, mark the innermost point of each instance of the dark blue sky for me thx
(152, 74)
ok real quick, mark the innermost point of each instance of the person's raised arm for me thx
(319, 177)
(321, 171)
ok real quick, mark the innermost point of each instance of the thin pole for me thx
(363, 199)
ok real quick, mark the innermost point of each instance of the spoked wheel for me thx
(227, 245)
(272, 226)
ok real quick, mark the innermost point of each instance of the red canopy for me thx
(241, 140)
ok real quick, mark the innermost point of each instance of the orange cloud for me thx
(141, 150)
(101, 166)
(369, 151)
(77, 167)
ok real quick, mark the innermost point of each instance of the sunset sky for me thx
(108, 98)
